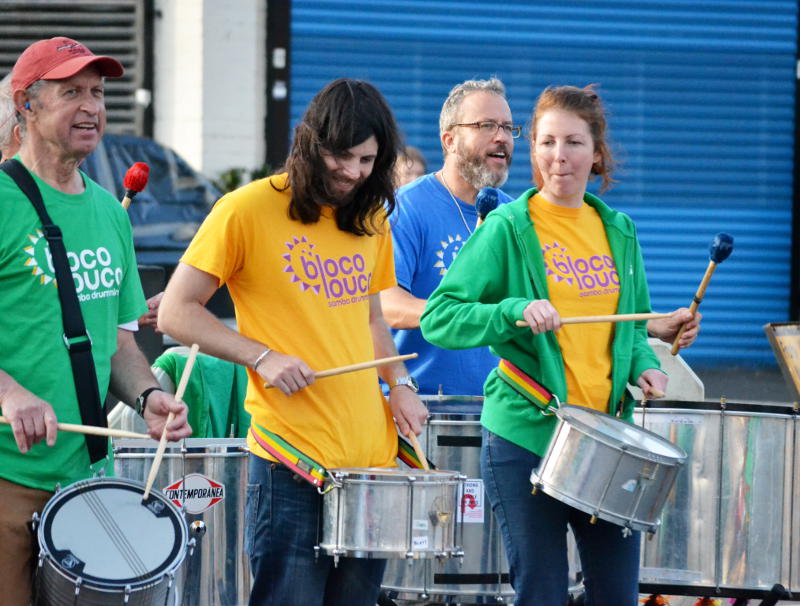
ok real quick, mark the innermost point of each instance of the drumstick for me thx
(655, 394)
(611, 318)
(719, 250)
(162, 444)
(360, 366)
(135, 181)
(93, 430)
(412, 437)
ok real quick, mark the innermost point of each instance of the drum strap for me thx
(407, 454)
(306, 467)
(76, 338)
(526, 386)
(299, 462)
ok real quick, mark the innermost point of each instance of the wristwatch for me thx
(408, 381)
(141, 401)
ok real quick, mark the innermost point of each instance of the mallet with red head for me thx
(134, 182)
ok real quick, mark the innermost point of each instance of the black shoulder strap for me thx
(76, 338)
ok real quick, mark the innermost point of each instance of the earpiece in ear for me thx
(27, 106)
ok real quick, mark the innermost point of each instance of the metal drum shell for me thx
(218, 572)
(56, 586)
(617, 480)
(390, 513)
(729, 524)
(452, 439)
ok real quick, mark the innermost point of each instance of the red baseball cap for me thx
(58, 58)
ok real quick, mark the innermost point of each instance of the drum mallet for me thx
(485, 202)
(719, 250)
(134, 182)
(162, 444)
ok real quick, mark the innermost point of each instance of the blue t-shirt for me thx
(428, 232)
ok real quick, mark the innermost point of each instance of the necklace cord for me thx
(452, 197)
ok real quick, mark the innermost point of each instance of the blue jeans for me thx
(534, 529)
(281, 520)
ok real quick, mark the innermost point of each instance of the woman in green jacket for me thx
(556, 251)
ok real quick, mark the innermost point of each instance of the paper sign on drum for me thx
(195, 493)
(472, 502)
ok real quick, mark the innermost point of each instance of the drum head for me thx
(100, 531)
(619, 433)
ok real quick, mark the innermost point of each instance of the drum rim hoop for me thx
(681, 457)
(717, 407)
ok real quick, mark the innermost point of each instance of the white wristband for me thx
(260, 358)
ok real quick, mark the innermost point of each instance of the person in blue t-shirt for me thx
(435, 215)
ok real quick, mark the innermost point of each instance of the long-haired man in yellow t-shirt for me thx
(304, 255)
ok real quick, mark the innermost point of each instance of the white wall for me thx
(210, 81)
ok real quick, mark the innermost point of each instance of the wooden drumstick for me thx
(93, 430)
(655, 394)
(162, 444)
(360, 366)
(412, 437)
(611, 318)
(720, 249)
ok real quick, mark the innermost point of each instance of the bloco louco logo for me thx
(594, 275)
(447, 253)
(341, 280)
(94, 272)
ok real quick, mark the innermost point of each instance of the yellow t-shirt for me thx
(304, 290)
(582, 280)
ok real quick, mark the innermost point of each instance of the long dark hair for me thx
(342, 115)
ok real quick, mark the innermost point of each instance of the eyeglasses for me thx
(490, 127)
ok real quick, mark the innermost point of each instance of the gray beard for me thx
(474, 171)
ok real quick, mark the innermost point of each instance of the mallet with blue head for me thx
(719, 250)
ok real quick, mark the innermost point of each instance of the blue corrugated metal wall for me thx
(702, 103)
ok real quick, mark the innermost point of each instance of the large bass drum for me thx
(206, 478)
(727, 527)
(452, 440)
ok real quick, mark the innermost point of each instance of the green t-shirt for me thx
(97, 236)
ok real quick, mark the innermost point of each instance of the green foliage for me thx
(234, 178)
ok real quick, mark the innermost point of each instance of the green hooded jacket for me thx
(497, 273)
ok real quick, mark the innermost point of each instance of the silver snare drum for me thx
(206, 479)
(610, 469)
(100, 545)
(391, 513)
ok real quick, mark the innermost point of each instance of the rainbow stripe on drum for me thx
(407, 454)
(303, 465)
(524, 384)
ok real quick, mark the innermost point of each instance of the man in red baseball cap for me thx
(59, 58)
(58, 96)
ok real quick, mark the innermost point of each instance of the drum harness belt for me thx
(76, 338)
(529, 388)
(306, 467)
